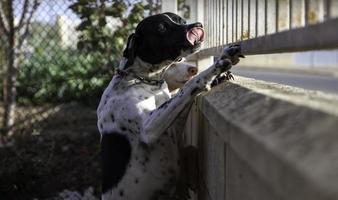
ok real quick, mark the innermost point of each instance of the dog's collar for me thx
(147, 81)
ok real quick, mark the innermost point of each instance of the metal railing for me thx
(238, 144)
(270, 26)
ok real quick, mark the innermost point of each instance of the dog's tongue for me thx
(195, 35)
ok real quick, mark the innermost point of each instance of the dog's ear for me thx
(130, 50)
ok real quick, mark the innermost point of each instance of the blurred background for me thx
(56, 58)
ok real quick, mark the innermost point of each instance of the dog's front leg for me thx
(161, 118)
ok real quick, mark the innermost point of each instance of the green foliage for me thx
(184, 8)
(54, 74)
(96, 35)
(62, 76)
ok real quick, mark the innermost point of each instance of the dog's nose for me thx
(197, 24)
(192, 71)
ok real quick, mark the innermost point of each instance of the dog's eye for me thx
(161, 28)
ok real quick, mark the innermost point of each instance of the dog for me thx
(139, 122)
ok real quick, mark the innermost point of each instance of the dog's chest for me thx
(124, 108)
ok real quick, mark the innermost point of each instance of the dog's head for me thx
(163, 37)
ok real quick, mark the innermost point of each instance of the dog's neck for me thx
(145, 70)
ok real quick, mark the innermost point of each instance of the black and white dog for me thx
(138, 119)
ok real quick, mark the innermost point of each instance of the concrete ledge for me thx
(287, 137)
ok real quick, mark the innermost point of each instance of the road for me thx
(323, 83)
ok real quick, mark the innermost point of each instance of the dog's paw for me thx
(223, 64)
(233, 53)
(222, 78)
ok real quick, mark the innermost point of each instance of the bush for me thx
(62, 76)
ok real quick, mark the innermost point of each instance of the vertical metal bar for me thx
(227, 21)
(220, 24)
(277, 16)
(205, 23)
(209, 25)
(223, 24)
(327, 6)
(217, 22)
(232, 22)
(256, 18)
(220, 34)
(290, 14)
(242, 20)
(212, 24)
(249, 14)
(265, 17)
(212, 21)
(306, 12)
(236, 16)
(207, 17)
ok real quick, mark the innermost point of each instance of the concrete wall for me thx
(264, 141)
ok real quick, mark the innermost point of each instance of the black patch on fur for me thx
(121, 193)
(143, 145)
(112, 118)
(115, 156)
(165, 104)
(194, 91)
(171, 171)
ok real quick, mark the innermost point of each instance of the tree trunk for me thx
(9, 90)
(15, 36)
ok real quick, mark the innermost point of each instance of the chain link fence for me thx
(55, 151)
(52, 68)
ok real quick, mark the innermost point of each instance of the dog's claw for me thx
(229, 76)
(222, 78)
